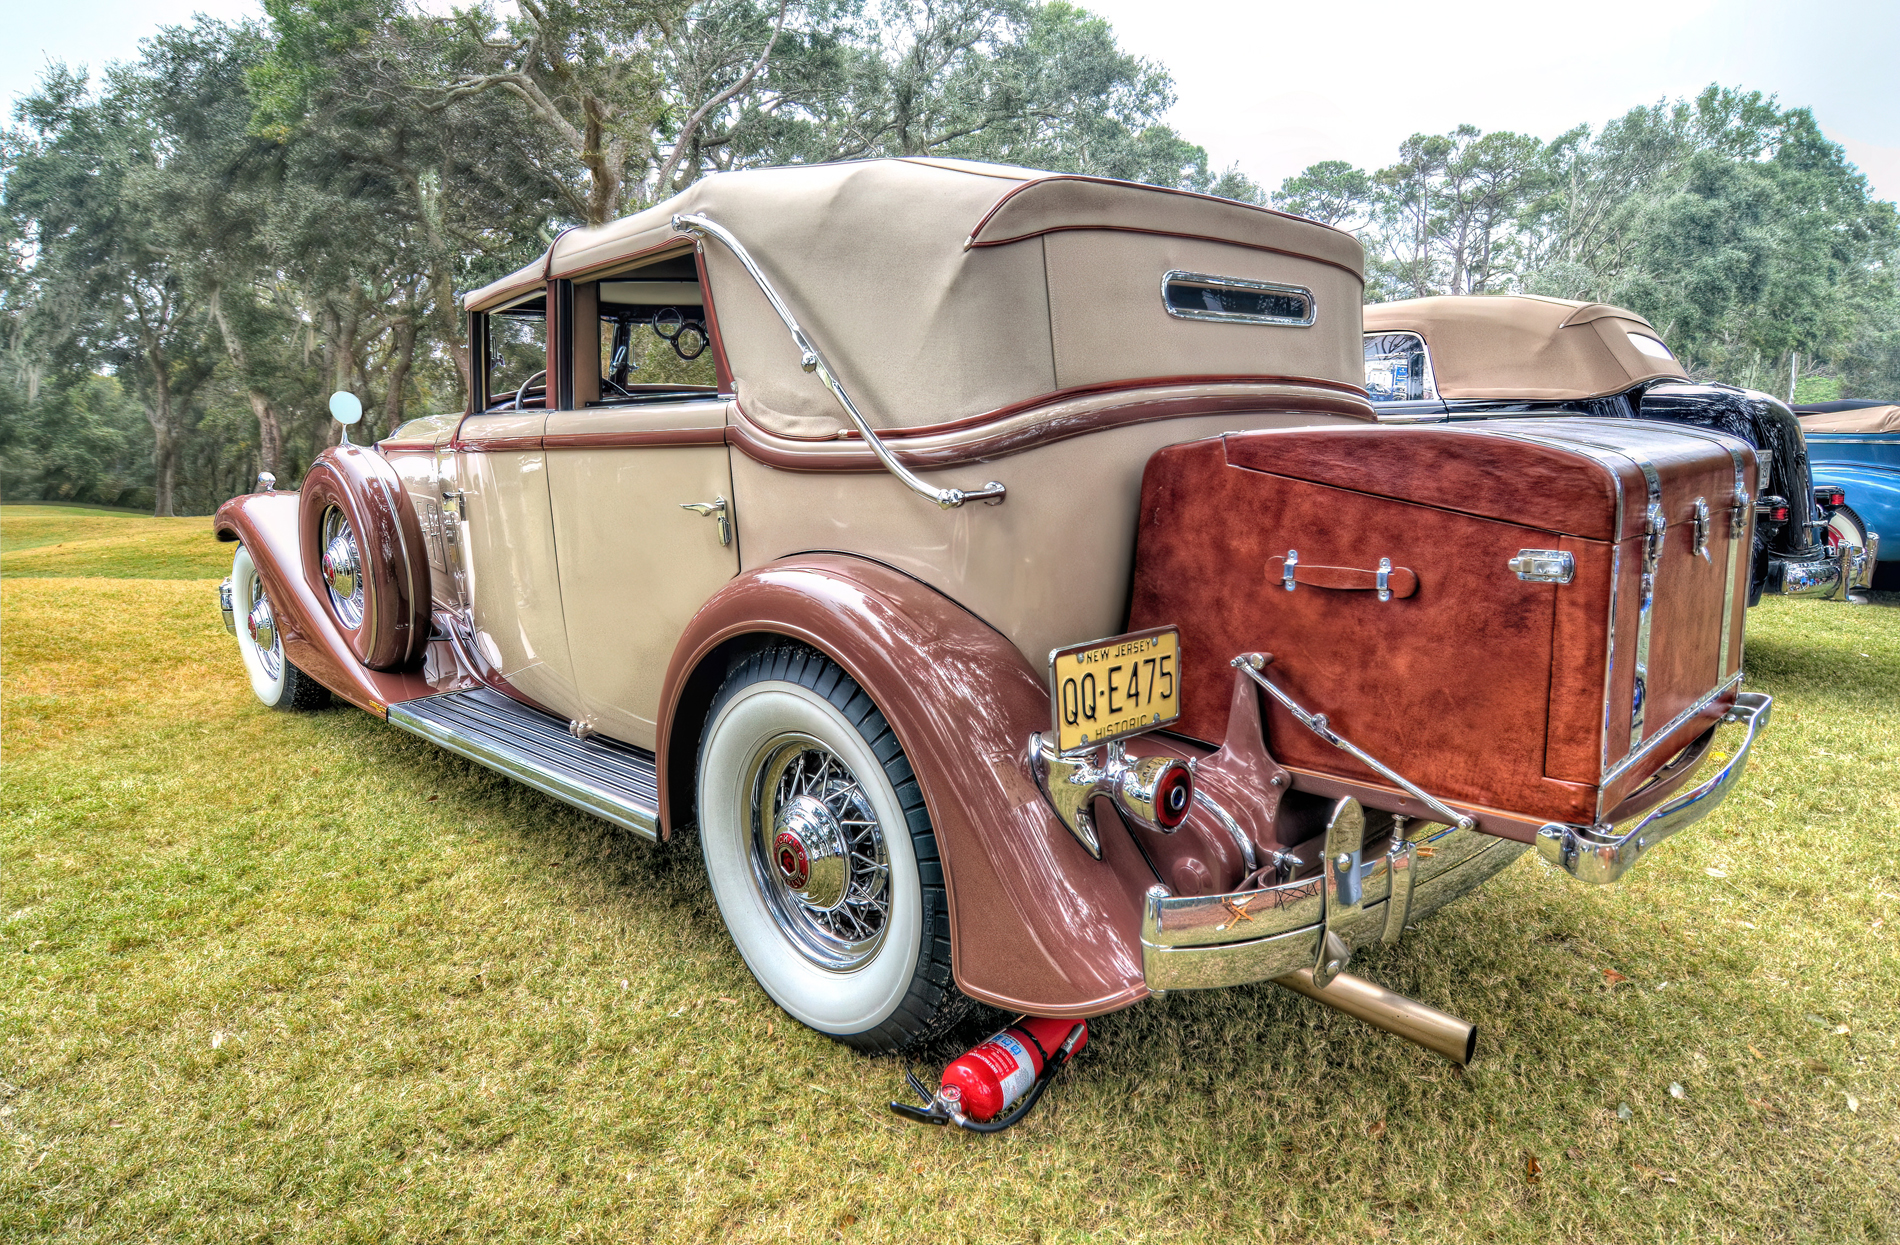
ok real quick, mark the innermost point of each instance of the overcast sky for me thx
(1274, 87)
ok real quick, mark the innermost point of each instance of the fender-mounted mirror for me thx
(346, 408)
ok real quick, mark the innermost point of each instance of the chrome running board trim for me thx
(612, 781)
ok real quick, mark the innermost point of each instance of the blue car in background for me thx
(1854, 446)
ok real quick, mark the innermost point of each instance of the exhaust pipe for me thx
(1418, 1023)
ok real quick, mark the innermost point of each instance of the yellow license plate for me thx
(1111, 689)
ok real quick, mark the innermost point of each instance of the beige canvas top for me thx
(1866, 419)
(940, 290)
(1529, 347)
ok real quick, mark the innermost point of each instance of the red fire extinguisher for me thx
(1017, 1063)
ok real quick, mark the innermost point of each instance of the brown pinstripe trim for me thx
(852, 455)
(651, 437)
(1084, 391)
(498, 445)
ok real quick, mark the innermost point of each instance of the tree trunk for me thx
(400, 360)
(270, 433)
(164, 435)
(450, 325)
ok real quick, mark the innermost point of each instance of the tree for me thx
(107, 259)
(1331, 192)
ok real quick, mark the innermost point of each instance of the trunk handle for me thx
(1388, 580)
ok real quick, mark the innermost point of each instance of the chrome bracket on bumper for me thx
(1200, 942)
(1816, 577)
(224, 605)
(1604, 853)
(1857, 566)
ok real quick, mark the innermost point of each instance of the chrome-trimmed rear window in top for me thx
(1235, 300)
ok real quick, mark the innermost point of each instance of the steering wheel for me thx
(522, 392)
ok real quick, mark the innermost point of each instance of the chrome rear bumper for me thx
(1200, 942)
(1204, 941)
(1814, 577)
(1604, 853)
(224, 605)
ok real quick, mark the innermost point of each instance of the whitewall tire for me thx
(820, 854)
(276, 681)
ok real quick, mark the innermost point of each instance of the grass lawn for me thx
(65, 542)
(277, 977)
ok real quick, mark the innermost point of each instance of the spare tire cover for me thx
(359, 482)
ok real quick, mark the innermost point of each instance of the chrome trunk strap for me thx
(1741, 512)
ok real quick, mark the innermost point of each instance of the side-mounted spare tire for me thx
(363, 553)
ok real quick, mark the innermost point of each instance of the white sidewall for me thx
(831, 1002)
(1850, 531)
(243, 575)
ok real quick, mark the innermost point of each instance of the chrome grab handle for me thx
(1598, 854)
(714, 509)
(1251, 664)
(811, 360)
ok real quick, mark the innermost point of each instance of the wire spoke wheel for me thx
(818, 853)
(342, 568)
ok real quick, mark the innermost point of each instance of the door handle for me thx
(716, 508)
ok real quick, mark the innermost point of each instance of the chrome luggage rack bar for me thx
(1251, 664)
(1601, 853)
(812, 361)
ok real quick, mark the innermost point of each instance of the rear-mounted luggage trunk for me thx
(1561, 610)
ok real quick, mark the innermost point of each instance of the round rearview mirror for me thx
(345, 407)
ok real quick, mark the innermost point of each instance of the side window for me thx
(1398, 369)
(517, 355)
(641, 335)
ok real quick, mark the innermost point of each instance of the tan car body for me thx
(607, 557)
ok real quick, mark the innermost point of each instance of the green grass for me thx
(71, 541)
(276, 977)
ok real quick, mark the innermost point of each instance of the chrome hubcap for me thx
(809, 850)
(342, 568)
(818, 853)
(262, 628)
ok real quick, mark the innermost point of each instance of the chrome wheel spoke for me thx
(819, 853)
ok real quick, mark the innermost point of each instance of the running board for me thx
(612, 781)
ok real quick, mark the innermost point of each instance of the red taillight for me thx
(1779, 514)
(1174, 796)
(1837, 498)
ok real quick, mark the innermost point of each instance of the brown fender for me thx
(1036, 924)
(395, 563)
(267, 523)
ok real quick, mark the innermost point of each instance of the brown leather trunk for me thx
(1537, 700)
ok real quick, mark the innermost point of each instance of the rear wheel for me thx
(820, 854)
(276, 681)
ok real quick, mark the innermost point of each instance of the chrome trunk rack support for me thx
(1251, 664)
(812, 361)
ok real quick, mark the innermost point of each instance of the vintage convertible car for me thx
(1855, 448)
(1512, 356)
(1007, 576)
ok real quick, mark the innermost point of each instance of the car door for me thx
(509, 572)
(636, 562)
